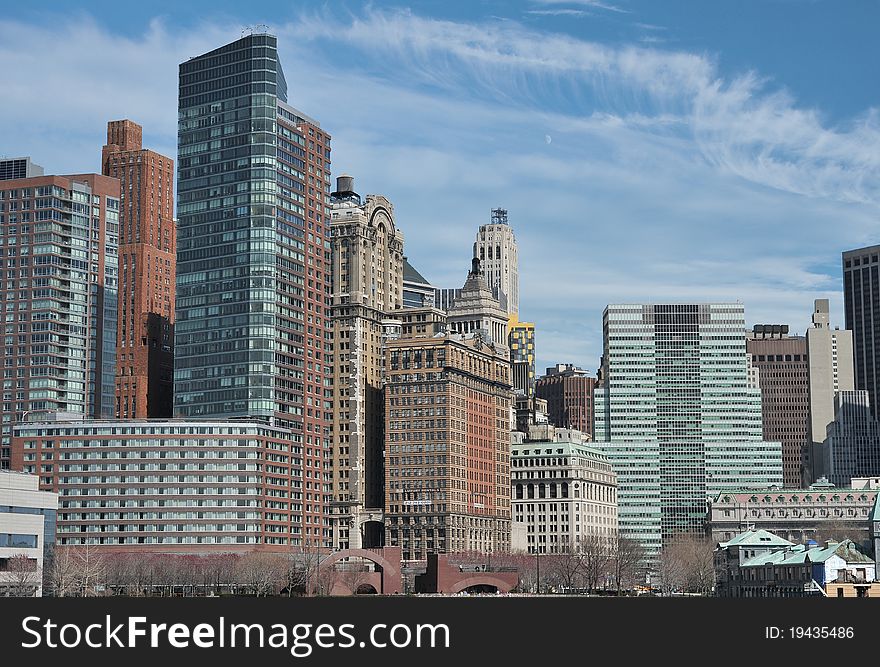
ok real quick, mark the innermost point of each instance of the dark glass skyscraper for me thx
(861, 301)
(253, 258)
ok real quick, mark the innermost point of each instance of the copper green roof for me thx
(800, 555)
(875, 513)
(756, 538)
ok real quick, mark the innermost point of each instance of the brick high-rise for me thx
(781, 363)
(58, 252)
(147, 246)
(447, 435)
(568, 391)
(252, 331)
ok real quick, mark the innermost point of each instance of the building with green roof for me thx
(757, 563)
(821, 512)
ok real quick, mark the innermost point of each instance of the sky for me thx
(645, 151)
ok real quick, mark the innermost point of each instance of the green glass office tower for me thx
(253, 258)
(677, 415)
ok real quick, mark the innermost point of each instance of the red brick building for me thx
(783, 375)
(568, 391)
(147, 247)
(181, 486)
(58, 294)
(447, 445)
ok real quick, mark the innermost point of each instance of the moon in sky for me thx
(548, 138)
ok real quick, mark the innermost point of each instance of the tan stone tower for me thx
(496, 248)
(367, 284)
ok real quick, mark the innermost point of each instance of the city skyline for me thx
(716, 157)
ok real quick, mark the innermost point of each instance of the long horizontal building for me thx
(179, 486)
(797, 515)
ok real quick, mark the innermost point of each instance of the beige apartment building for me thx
(830, 359)
(367, 284)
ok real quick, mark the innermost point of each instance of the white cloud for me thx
(587, 3)
(663, 182)
(577, 13)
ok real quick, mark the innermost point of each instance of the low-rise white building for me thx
(27, 529)
(564, 492)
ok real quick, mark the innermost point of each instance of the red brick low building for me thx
(170, 486)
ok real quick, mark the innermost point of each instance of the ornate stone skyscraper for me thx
(368, 267)
(496, 249)
(476, 309)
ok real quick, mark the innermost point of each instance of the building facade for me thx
(564, 492)
(58, 256)
(27, 533)
(830, 362)
(147, 261)
(677, 417)
(778, 570)
(367, 283)
(568, 391)
(861, 303)
(782, 367)
(852, 443)
(496, 248)
(417, 291)
(476, 310)
(447, 451)
(252, 327)
(797, 515)
(521, 338)
(169, 485)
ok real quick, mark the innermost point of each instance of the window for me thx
(15, 541)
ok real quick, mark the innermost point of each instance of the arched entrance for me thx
(366, 589)
(481, 584)
(481, 589)
(348, 578)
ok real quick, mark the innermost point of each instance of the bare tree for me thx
(524, 563)
(303, 570)
(354, 574)
(671, 568)
(89, 571)
(63, 575)
(597, 556)
(627, 557)
(23, 576)
(687, 564)
(261, 573)
(565, 568)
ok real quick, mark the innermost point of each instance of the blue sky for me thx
(646, 151)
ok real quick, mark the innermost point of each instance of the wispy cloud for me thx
(741, 125)
(663, 180)
(598, 4)
(577, 13)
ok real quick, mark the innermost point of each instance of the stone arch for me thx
(387, 559)
(481, 580)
